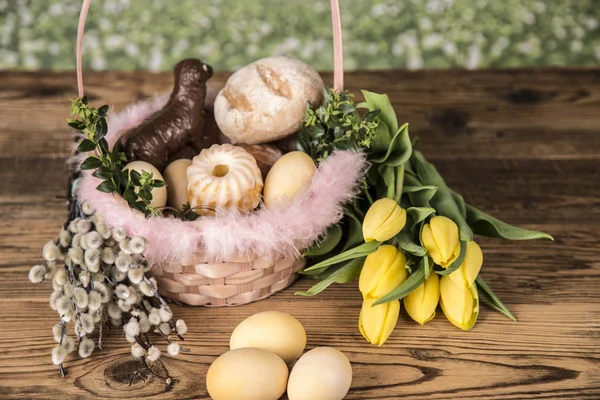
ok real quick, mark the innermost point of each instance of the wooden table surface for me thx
(523, 145)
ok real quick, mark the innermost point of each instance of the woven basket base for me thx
(229, 283)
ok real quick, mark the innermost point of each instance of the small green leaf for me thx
(103, 173)
(135, 177)
(347, 273)
(140, 206)
(86, 145)
(406, 243)
(106, 187)
(100, 129)
(91, 162)
(145, 193)
(485, 225)
(359, 251)
(103, 110)
(457, 263)
(130, 195)
(157, 183)
(103, 144)
(76, 124)
(494, 301)
(329, 242)
(408, 286)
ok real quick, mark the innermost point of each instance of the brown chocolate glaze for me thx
(178, 124)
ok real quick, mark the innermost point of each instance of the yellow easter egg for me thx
(288, 176)
(159, 195)
(176, 179)
(247, 374)
(324, 373)
(274, 331)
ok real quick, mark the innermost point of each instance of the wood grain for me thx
(522, 144)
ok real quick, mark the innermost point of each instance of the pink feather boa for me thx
(270, 233)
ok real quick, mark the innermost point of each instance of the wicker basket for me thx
(241, 279)
(229, 283)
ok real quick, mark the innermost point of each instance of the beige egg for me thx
(176, 179)
(274, 331)
(324, 373)
(247, 374)
(289, 175)
(159, 195)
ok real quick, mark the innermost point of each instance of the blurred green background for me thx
(155, 34)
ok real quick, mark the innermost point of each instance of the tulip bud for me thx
(421, 303)
(384, 219)
(460, 305)
(377, 323)
(440, 238)
(465, 275)
(383, 271)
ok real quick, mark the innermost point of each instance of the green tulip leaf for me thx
(457, 263)
(398, 152)
(347, 273)
(460, 202)
(427, 266)
(355, 235)
(389, 179)
(408, 286)
(419, 214)
(485, 225)
(420, 196)
(399, 183)
(493, 300)
(360, 251)
(442, 200)
(372, 176)
(330, 241)
(376, 101)
(381, 141)
(406, 243)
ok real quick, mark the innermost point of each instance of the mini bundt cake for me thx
(224, 177)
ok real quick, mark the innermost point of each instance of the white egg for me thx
(289, 175)
(159, 195)
(324, 373)
(176, 179)
(274, 331)
(247, 374)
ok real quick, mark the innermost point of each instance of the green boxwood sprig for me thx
(108, 164)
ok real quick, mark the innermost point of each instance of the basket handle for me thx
(338, 56)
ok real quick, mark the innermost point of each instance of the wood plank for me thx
(522, 113)
(522, 145)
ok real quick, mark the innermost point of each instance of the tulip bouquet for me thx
(407, 236)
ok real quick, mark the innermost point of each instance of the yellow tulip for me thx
(377, 323)
(460, 305)
(422, 302)
(465, 275)
(440, 238)
(384, 219)
(383, 271)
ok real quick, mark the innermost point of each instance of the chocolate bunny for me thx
(178, 124)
